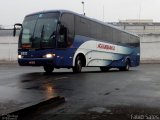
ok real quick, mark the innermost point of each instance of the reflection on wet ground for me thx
(89, 93)
(26, 89)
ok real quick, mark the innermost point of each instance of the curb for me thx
(150, 61)
(19, 114)
(8, 62)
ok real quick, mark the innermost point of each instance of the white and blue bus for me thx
(64, 39)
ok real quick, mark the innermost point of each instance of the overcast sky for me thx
(13, 11)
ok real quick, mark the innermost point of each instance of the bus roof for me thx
(92, 19)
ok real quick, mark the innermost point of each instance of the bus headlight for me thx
(49, 56)
(19, 56)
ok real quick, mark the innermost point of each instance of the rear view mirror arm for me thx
(14, 29)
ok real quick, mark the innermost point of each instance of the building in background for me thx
(149, 33)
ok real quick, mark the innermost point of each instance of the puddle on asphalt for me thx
(107, 93)
(99, 110)
(117, 88)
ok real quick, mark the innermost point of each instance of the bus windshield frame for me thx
(39, 31)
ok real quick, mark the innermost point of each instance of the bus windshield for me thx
(39, 31)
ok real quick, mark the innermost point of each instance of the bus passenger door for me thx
(66, 38)
(61, 45)
(63, 51)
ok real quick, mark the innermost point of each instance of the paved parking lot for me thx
(89, 95)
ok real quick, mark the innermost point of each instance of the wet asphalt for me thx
(89, 95)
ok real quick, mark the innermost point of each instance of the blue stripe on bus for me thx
(64, 57)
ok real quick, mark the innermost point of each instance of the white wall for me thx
(8, 48)
(150, 47)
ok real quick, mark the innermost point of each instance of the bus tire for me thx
(126, 67)
(48, 69)
(104, 69)
(78, 65)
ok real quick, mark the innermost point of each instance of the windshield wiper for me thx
(42, 32)
(53, 35)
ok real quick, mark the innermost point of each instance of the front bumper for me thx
(36, 61)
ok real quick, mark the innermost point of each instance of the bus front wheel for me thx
(78, 65)
(48, 69)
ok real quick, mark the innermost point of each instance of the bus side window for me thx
(68, 21)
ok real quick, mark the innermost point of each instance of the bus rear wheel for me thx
(48, 69)
(104, 69)
(78, 65)
(126, 67)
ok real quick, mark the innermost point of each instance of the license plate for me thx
(32, 62)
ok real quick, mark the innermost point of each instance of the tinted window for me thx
(93, 28)
(107, 33)
(68, 21)
(124, 37)
(116, 36)
(82, 26)
(99, 31)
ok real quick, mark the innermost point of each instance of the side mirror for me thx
(14, 29)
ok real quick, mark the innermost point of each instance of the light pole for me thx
(83, 7)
